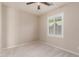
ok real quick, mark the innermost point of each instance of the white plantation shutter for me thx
(55, 25)
(51, 26)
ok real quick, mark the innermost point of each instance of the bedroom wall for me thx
(70, 41)
(0, 23)
(18, 27)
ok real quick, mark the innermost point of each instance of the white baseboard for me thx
(60, 48)
(19, 45)
(66, 50)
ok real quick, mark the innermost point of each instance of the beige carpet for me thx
(35, 50)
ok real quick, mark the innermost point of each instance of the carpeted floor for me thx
(36, 49)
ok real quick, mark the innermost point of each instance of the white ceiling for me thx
(33, 7)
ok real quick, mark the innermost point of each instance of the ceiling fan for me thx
(38, 3)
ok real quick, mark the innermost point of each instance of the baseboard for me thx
(61, 48)
(19, 45)
(66, 50)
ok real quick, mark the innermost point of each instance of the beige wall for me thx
(18, 27)
(0, 23)
(71, 28)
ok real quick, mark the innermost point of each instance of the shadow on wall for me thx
(4, 27)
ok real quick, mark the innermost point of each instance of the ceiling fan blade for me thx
(46, 3)
(29, 3)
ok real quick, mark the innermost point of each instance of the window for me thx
(55, 25)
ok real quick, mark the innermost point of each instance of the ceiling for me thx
(33, 7)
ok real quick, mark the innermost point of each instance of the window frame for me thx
(54, 16)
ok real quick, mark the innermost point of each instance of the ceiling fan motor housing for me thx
(38, 7)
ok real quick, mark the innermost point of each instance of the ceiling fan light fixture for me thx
(39, 4)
